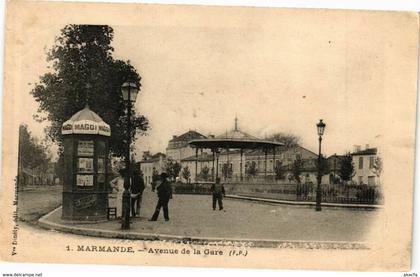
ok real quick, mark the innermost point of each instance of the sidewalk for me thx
(192, 218)
(305, 203)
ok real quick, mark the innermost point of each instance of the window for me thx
(371, 162)
(371, 180)
(360, 162)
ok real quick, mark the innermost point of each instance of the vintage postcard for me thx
(174, 135)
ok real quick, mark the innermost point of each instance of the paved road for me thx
(193, 216)
(34, 203)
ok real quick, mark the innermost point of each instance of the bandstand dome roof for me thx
(234, 139)
(86, 122)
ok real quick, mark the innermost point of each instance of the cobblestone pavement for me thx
(193, 216)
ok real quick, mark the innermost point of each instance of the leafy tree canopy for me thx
(173, 168)
(205, 173)
(323, 166)
(31, 153)
(289, 140)
(297, 169)
(347, 168)
(186, 174)
(227, 171)
(279, 171)
(377, 166)
(84, 72)
(251, 169)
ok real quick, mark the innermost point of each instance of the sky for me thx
(276, 71)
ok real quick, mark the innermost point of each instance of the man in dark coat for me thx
(137, 188)
(164, 192)
(155, 177)
(218, 191)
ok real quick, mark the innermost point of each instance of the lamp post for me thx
(129, 92)
(320, 128)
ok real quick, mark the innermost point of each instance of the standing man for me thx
(155, 177)
(137, 188)
(218, 191)
(164, 191)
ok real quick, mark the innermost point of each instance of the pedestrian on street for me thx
(164, 192)
(155, 177)
(218, 191)
(137, 188)
(115, 197)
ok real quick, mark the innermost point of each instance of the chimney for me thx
(367, 146)
(357, 148)
(174, 137)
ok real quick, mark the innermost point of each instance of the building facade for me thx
(364, 166)
(152, 164)
(178, 147)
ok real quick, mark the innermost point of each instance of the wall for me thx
(364, 173)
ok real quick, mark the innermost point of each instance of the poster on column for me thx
(304, 120)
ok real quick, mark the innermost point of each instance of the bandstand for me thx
(232, 140)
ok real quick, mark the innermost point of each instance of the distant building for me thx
(151, 163)
(364, 161)
(283, 157)
(40, 175)
(178, 147)
(204, 160)
(334, 167)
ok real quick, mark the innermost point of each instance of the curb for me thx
(45, 223)
(302, 203)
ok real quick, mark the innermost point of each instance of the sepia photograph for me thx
(177, 135)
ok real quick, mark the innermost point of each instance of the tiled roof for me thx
(154, 158)
(86, 114)
(190, 135)
(369, 151)
(236, 134)
(201, 158)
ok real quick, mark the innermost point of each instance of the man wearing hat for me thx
(164, 192)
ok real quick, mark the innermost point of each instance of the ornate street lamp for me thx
(320, 128)
(129, 92)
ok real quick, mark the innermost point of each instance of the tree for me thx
(346, 171)
(172, 168)
(324, 165)
(205, 173)
(226, 171)
(84, 72)
(31, 153)
(289, 140)
(377, 167)
(279, 171)
(297, 169)
(251, 169)
(186, 174)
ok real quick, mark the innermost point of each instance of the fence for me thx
(349, 194)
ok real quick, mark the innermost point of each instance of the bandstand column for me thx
(240, 168)
(201, 160)
(196, 163)
(227, 163)
(265, 164)
(212, 168)
(217, 165)
(274, 161)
